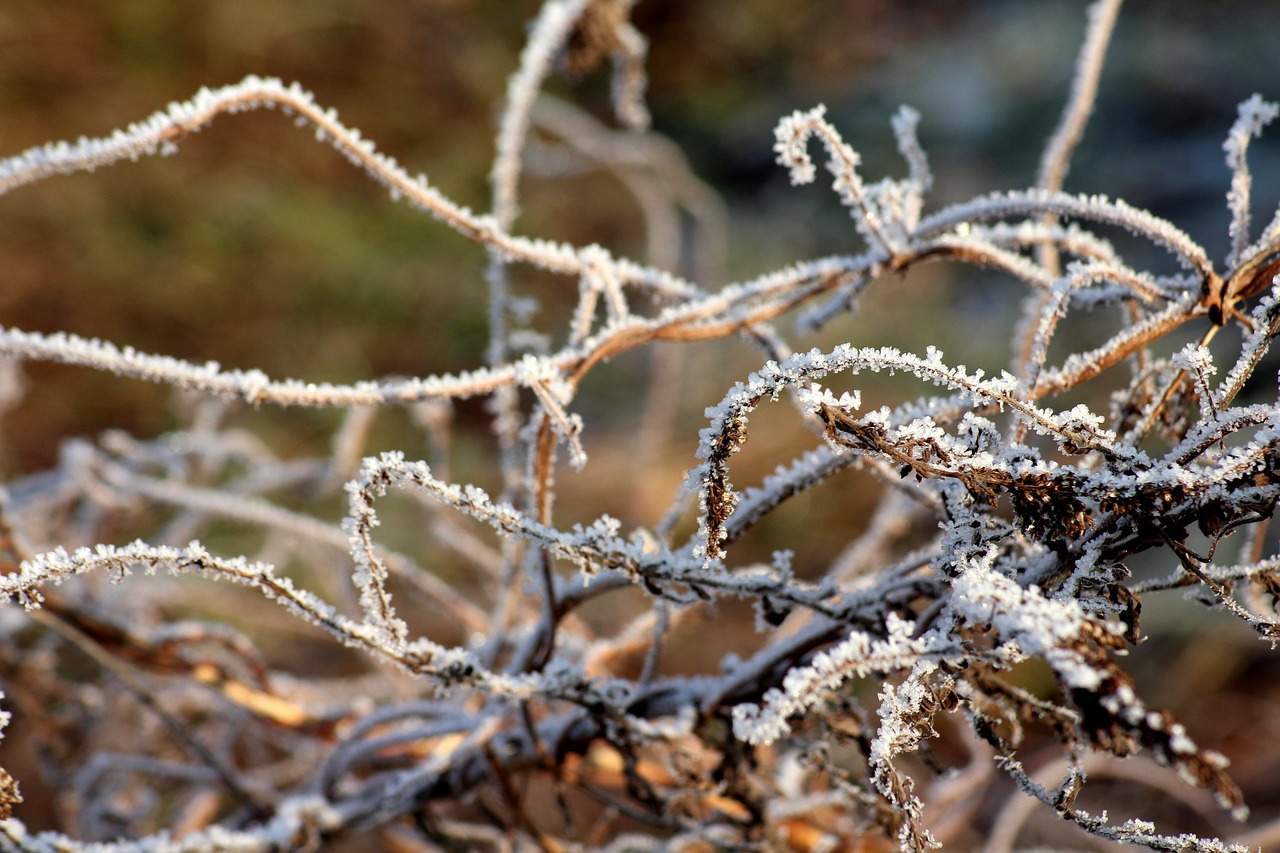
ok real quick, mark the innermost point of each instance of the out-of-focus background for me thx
(256, 247)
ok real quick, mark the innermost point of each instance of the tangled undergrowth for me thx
(164, 726)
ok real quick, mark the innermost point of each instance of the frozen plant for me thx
(163, 731)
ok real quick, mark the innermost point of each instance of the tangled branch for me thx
(471, 693)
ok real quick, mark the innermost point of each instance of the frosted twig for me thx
(1255, 114)
(1084, 90)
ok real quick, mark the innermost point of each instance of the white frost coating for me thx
(982, 595)
(1032, 624)
(1078, 429)
(815, 397)
(53, 567)
(1078, 363)
(546, 37)
(905, 122)
(255, 387)
(161, 132)
(1096, 208)
(252, 386)
(1254, 115)
(904, 722)
(370, 575)
(1195, 358)
(297, 819)
(803, 687)
(791, 135)
(590, 548)
(885, 213)
(898, 704)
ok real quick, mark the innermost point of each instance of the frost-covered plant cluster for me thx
(165, 726)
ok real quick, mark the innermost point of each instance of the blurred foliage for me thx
(256, 247)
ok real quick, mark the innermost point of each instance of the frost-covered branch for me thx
(964, 562)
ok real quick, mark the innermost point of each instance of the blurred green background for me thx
(256, 247)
